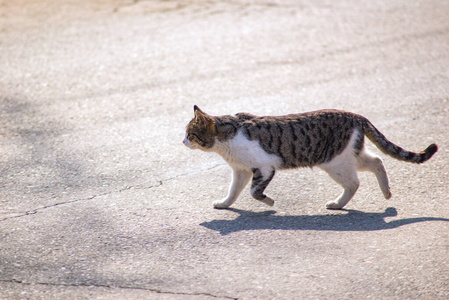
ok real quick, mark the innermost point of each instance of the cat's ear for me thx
(197, 110)
(200, 116)
(204, 119)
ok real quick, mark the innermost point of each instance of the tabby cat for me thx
(333, 140)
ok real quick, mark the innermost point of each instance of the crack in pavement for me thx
(158, 184)
(158, 291)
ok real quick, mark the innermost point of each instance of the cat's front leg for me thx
(240, 178)
(261, 179)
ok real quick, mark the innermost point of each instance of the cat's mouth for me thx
(188, 143)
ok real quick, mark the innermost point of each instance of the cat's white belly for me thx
(345, 160)
(240, 152)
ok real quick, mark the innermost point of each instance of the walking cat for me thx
(332, 140)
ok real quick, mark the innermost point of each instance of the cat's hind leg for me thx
(367, 161)
(240, 178)
(261, 179)
(345, 174)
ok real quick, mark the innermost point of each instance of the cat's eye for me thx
(190, 136)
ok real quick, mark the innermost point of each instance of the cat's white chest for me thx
(244, 153)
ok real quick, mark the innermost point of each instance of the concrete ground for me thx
(100, 200)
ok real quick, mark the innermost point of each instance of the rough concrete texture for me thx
(100, 200)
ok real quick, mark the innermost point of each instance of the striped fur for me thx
(257, 146)
(395, 151)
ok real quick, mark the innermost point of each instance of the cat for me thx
(333, 140)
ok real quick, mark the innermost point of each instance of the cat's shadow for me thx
(352, 220)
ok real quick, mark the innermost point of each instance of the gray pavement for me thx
(100, 200)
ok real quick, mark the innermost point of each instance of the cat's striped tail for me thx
(395, 151)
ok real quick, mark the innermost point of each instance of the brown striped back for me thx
(303, 140)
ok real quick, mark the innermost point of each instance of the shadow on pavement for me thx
(354, 220)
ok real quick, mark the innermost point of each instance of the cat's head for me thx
(201, 131)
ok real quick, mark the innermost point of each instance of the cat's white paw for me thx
(333, 205)
(221, 204)
(268, 201)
